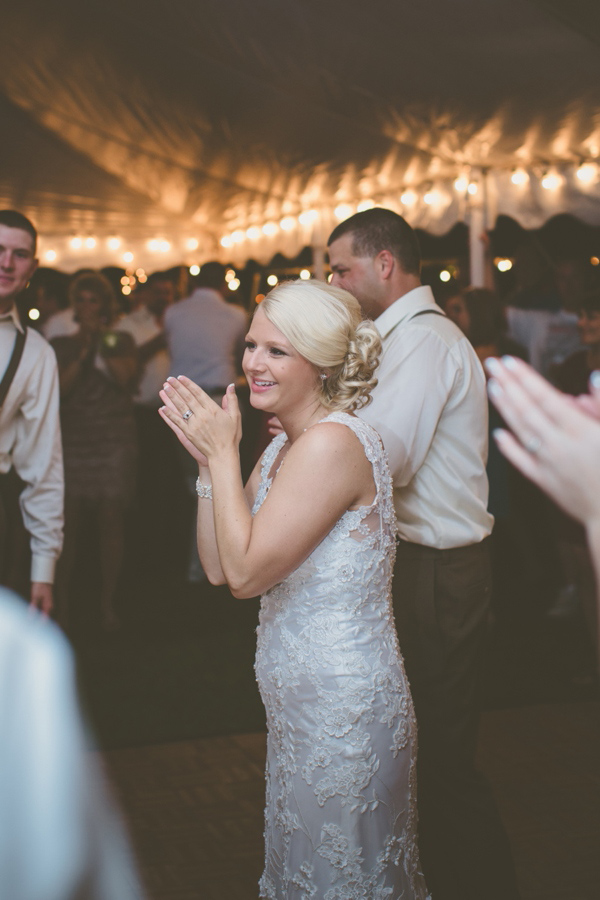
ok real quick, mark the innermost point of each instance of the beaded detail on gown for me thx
(340, 817)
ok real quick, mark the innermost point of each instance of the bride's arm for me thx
(207, 541)
(325, 472)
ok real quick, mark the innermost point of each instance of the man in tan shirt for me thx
(29, 416)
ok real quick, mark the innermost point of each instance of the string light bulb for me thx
(194, 270)
(408, 198)
(308, 217)
(343, 211)
(270, 229)
(76, 243)
(519, 177)
(113, 243)
(287, 223)
(305, 274)
(272, 280)
(587, 172)
(551, 181)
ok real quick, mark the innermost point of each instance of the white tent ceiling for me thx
(249, 123)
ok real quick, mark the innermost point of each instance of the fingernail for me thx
(492, 365)
(232, 386)
(595, 379)
(494, 389)
(509, 362)
(498, 434)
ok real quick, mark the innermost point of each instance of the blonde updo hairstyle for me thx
(324, 324)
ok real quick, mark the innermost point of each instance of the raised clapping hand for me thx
(204, 428)
(556, 438)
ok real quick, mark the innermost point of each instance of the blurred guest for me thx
(480, 315)
(63, 323)
(48, 294)
(30, 445)
(205, 338)
(555, 443)
(154, 511)
(98, 372)
(539, 316)
(60, 837)
(572, 377)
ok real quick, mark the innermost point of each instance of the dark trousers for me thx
(441, 604)
(15, 556)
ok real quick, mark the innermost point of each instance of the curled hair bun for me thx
(349, 386)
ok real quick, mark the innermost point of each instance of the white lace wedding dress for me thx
(340, 818)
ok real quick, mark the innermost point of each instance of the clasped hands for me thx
(210, 429)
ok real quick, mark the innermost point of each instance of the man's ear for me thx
(385, 263)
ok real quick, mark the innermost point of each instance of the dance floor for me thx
(194, 808)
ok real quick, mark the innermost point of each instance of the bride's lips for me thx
(259, 386)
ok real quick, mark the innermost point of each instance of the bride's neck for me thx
(295, 423)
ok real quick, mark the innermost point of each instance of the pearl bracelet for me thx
(204, 491)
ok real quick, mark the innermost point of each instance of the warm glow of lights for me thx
(142, 279)
(76, 243)
(50, 255)
(473, 188)
(504, 265)
(128, 256)
(90, 243)
(140, 272)
(113, 243)
(461, 184)
(226, 241)
(253, 233)
(329, 277)
(238, 236)
(343, 211)
(429, 198)
(191, 244)
(551, 181)
(365, 204)
(308, 216)
(164, 246)
(587, 173)
(234, 284)
(126, 289)
(595, 260)
(519, 177)
(153, 244)
(305, 274)
(259, 298)
(445, 275)
(408, 198)
(288, 223)
(272, 280)
(34, 314)
(270, 228)
(229, 275)
(194, 270)
(125, 279)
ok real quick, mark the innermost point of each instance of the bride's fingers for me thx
(527, 420)
(186, 384)
(529, 392)
(167, 400)
(180, 397)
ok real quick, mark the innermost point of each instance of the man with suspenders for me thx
(430, 408)
(30, 441)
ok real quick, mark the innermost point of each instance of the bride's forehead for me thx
(262, 328)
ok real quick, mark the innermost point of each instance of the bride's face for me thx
(281, 380)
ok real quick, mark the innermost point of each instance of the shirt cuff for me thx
(42, 569)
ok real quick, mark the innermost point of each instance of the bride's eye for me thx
(250, 345)
(275, 351)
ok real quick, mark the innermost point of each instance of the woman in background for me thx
(98, 371)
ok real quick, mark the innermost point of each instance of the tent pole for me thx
(477, 226)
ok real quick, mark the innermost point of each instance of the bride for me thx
(313, 531)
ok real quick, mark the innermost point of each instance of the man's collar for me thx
(12, 315)
(405, 308)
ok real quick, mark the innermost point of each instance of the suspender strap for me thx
(13, 365)
(428, 312)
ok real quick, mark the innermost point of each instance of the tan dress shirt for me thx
(430, 408)
(30, 441)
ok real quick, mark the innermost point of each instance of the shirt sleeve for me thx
(37, 458)
(415, 382)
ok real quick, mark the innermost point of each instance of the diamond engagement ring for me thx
(532, 445)
(187, 414)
